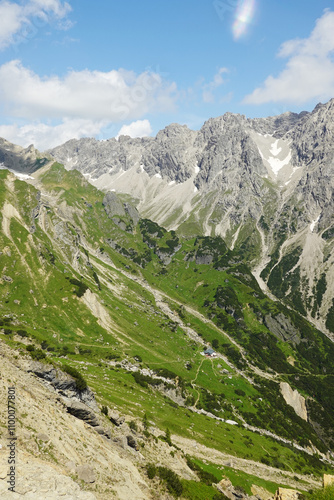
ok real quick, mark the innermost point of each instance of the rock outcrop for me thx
(63, 383)
(328, 480)
(294, 399)
(286, 494)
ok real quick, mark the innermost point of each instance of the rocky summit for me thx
(167, 314)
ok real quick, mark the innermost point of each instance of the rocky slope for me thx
(264, 185)
(23, 160)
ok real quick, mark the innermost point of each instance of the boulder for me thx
(121, 441)
(112, 205)
(132, 442)
(43, 437)
(83, 412)
(116, 419)
(103, 432)
(261, 493)
(286, 494)
(328, 480)
(86, 473)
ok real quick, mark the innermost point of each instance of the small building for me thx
(210, 353)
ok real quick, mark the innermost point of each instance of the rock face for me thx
(81, 411)
(25, 160)
(265, 185)
(328, 480)
(294, 399)
(286, 494)
(63, 383)
(261, 493)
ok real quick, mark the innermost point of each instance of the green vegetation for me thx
(80, 382)
(323, 494)
(173, 483)
(207, 287)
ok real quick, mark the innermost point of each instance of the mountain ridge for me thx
(262, 184)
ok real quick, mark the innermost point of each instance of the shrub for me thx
(104, 410)
(81, 287)
(167, 437)
(151, 471)
(133, 426)
(80, 382)
(22, 333)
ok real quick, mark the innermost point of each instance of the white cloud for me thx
(52, 110)
(20, 20)
(139, 128)
(45, 136)
(309, 72)
(112, 96)
(209, 88)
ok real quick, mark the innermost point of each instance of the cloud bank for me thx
(309, 71)
(79, 104)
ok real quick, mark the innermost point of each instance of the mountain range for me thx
(123, 261)
(264, 185)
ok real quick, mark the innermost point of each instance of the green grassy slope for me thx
(132, 306)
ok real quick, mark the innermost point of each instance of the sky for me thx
(105, 68)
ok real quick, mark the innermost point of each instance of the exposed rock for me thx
(121, 441)
(62, 382)
(132, 213)
(25, 160)
(41, 481)
(294, 399)
(112, 205)
(132, 442)
(86, 473)
(83, 412)
(286, 494)
(116, 418)
(104, 432)
(261, 493)
(7, 278)
(43, 437)
(328, 480)
(282, 328)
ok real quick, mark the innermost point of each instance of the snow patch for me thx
(275, 150)
(19, 175)
(313, 224)
(195, 189)
(171, 183)
(158, 176)
(197, 169)
(277, 164)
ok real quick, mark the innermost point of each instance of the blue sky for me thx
(82, 68)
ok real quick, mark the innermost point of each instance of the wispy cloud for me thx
(18, 19)
(209, 88)
(309, 72)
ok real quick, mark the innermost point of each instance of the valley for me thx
(123, 292)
